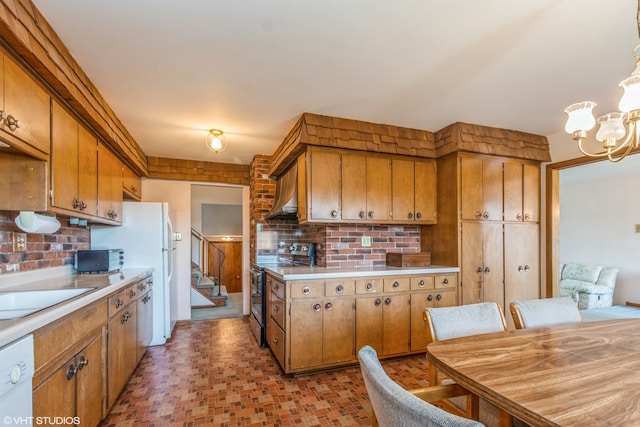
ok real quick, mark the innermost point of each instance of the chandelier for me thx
(619, 132)
(214, 141)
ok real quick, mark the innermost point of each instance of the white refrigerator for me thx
(146, 237)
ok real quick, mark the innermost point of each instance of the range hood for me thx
(286, 202)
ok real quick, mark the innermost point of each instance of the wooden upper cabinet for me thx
(366, 188)
(414, 191)
(481, 188)
(323, 190)
(109, 185)
(521, 192)
(74, 163)
(26, 110)
(131, 184)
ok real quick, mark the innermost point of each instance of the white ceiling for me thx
(172, 69)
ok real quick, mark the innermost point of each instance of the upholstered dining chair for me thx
(544, 312)
(395, 406)
(445, 323)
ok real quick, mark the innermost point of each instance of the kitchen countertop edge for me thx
(311, 273)
(13, 329)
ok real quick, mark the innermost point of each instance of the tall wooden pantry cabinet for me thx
(488, 224)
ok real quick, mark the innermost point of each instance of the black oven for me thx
(258, 304)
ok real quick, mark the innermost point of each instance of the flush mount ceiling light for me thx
(215, 142)
(613, 126)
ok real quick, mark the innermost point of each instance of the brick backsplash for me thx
(43, 250)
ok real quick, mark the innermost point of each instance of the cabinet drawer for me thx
(144, 285)
(446, 281)
(339, 287)
(307, 289)
(116, 302)
(368, 286)
(396, 284)
(275, 340)
(277, 310)
(277, 287)
(423, 282)
(131, 293)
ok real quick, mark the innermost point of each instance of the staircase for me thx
(206, 271)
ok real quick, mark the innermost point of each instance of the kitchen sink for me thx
(22, 303)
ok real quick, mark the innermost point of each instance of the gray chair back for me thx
(544, 312)
(395, 406)
(464, 320)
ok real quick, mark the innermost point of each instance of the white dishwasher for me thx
(16, 374)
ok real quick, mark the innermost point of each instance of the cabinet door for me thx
(369, 322)
(338, 330)
(522, 263)
(481, 188)
(521, 192)
(403, 186)
(492, 263)
(131, 183)
(419, 301)
(354, 187)
(482, 263)
(56, 396)
(396, 324)
(89, 384)
(305, 339)
(109, 184)
(145, 324)
(472, 262)
(531, 192)
(87, 171)
(29, 103)
(378, 189)
(64, 160)
(324, 196)
(425, 192)
(121, 348)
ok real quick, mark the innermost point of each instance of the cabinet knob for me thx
(328, 306)
(395, 285)
(377, 302)
(75, 203)
(370, 215)
(83, 362)
(429, 297)
(438, 297)
(519, 216)
(410, 215)
(526, 268)
(487, 270)
(421, 284)
(479, 270)
(387, 301)
(445, 282)
(276, 309)
(368, 287)
(520, 268)
(526, 217)
(306, 290)
(478, 214)
(334, 213)
(339, 289)
(275, 340)
(485, 215)
(362, 215)
(317, 307)
(119, 303)
(12, 122)
(418, 215)
(71, 371)
(132, 293)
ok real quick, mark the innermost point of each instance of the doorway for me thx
(216, 252)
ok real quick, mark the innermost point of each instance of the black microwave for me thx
(98, 260)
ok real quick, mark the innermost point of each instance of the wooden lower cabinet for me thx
(75, 389)
(319, 324)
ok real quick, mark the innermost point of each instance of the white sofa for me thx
(590, 286)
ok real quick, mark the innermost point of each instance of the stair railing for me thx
(208, 250)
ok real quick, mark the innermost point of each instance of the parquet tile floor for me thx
(213, 373)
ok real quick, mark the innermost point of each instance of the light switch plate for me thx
(366, 241)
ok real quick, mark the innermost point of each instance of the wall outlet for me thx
(366, 241)
(19, 242)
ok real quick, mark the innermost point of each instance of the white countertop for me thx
(308, 273)
(57, 278)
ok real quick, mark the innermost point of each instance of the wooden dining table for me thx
(580, 374)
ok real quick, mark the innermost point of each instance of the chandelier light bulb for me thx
(631, 98)
(611, 127)
(214, 141)
(580, 117)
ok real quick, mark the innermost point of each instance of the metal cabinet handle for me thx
(526, 217)
(418, 215)
(339, 289)
(334, 213)
(410, 215)
(387, 301)
(75, 203)
(429, 297)
(520, 268)
(83, 362)
(368, 286)
(306, 290)
(276, 309)
(328, 306)
(119, 303)
(479, 270)
(317, 307)
(377, 302)
(71, 371)
(478, 214)
(438, 297)
(445, 282)
(395, 285)
(421, 284)
(132, 293)
(487, 270)
(485, 215)
(361, 214)
(519, 217)
(370, 215)
(526, 268)
(12, 122)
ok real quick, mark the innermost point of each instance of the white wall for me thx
(178, 195)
